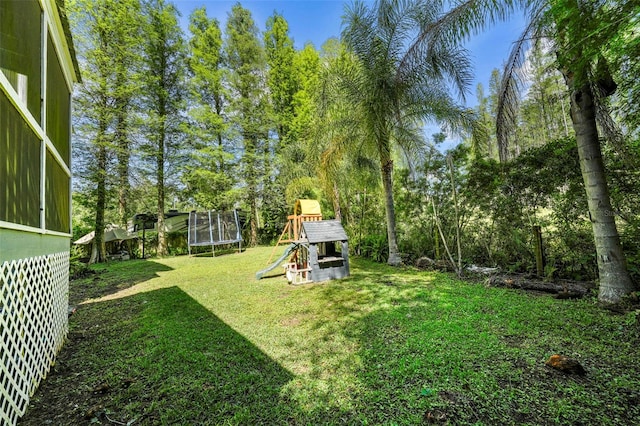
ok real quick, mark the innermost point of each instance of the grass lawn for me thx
(198, 340)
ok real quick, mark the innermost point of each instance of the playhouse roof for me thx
(307, 207)
(324, 231)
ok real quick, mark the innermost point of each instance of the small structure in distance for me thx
(113, 237)
(213, 228)
(319, 249)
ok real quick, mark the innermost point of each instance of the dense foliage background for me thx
(218, 117)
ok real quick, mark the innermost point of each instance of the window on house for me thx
(57, 197)
(330, 249)
(20, 47)
(19, 167)
(58, 104)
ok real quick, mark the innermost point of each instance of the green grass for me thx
(200, 341)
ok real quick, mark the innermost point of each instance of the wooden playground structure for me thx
(303, 211)
(318, 249)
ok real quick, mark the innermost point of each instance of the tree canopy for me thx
(236, 115)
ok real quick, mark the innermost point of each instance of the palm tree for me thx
(396, 82)
(579, 32)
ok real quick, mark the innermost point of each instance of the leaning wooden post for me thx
(537, 238)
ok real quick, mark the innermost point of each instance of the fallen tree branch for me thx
(562, 289)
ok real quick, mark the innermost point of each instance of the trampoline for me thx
(211, 228)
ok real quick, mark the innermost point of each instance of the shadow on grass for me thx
(112, 277)
(385, 346)
(165, 360)
(433, 351)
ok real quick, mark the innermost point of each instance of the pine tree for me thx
(210, 175)
(106, 34)
(246, 60)
(281, 79)
(165, 56)
(127, 80)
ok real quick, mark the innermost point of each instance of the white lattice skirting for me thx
(33, 325)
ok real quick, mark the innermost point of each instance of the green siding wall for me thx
(24, 245)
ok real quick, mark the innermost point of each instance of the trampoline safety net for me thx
(214, 228)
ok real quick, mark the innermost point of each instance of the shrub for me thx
(375, 247)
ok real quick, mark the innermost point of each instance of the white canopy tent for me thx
(111, 233)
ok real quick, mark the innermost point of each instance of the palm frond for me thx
(443, 63)
(457, 24)
(511, 86)
(611, 131)
(514, 79)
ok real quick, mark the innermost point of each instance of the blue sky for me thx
(317, 20)
(309, 20)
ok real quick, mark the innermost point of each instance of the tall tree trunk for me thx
(336, 202)
(121, 101)
(163, 249)
(436, 218)
(253, 222)
(219, 135)
(123, 161)
(387, 184)
(221, 165)
(252, 187)
(98, 250)
(252, 195)
(456, 207)
(614, 277)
